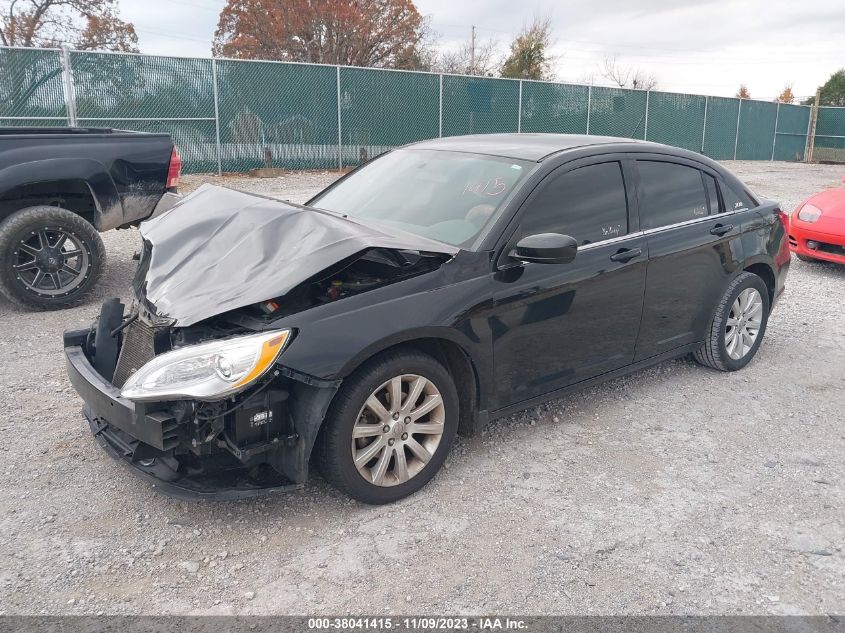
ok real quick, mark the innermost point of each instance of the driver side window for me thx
(587, 203)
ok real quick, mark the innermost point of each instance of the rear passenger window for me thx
(712, 194)
(736, 200)
(587, 203)
(670, 193)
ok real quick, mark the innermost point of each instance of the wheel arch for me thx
(49, 179)
(457, 359)
(766, 273)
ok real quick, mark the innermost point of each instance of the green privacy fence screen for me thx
(234, 115)
(830, 135)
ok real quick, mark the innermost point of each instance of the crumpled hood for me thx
(220, 249)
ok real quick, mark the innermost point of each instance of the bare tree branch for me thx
(84, 24)
(627, 76)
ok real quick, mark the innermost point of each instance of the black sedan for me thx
(433, 288)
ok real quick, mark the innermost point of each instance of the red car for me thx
(817, 228)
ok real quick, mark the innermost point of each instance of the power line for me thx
(174, 36)
(610, 47)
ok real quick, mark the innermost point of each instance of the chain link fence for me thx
(232, 115)
(830, 135)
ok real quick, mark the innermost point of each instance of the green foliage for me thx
(833, 91)
(529, 58)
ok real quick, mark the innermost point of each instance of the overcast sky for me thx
(696, 46)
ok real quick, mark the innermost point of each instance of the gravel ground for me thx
(674, 490)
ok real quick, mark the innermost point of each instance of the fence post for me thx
(775, 137)
(440, 109)
(70, 93)
(339, 132)
(645, 125)
(589, 105)
(738, 113)
(811, 128)
(519, 114)
(704, 127)
(216, 117)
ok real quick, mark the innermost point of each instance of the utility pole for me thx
(472, 52)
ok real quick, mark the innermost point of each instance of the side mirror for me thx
(546, 248)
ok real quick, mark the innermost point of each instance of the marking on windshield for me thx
(494, 187)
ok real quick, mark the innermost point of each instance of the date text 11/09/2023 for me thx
(417, 623)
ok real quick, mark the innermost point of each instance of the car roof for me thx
(534, 147)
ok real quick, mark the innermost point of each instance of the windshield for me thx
(445, 196)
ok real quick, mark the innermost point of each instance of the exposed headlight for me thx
(208, 371)
(809, 213)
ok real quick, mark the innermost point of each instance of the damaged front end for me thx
(248, 443)
(189, 386)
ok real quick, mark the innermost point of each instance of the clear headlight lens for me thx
(208, 371)
(809, 213)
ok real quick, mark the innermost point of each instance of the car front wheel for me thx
(738, 325)
(390, 427)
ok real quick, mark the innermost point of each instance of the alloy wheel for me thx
(51, 262)
(743, 324)
(398, 430)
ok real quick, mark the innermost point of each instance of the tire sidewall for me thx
(19, 225)
(343, 419)
(752, 281)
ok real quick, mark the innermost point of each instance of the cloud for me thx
(700, 46)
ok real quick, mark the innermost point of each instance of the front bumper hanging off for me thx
(143, 438)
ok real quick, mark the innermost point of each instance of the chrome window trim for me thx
(710, 217)
(612, 240)
(658, 229)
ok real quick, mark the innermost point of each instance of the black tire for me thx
(334, 448)
(714, 352)
(24, 225)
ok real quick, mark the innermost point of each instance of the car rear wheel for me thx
(738, 325)
(49, 257)
(389, 428)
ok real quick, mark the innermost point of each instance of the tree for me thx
(529, 57)
(459, 61)
(627, 76)
(786, 95)
(381, 33)
(84, 24)
(832, 92)
(743, 93)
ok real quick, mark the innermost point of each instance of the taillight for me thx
(784, 219)
(175, 169)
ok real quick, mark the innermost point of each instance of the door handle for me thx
(626, 254)
(721, 229)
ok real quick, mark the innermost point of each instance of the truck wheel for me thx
(389, 428)
(49, 257)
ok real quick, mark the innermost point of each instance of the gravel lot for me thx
(674, 490)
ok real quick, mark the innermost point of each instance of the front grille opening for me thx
(833, 249)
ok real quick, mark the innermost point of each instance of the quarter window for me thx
(712, 193)
(736, 200)
(670, 193)
(587, 203)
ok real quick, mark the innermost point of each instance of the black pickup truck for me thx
(58, 188)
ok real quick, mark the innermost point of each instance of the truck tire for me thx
(49, 257)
